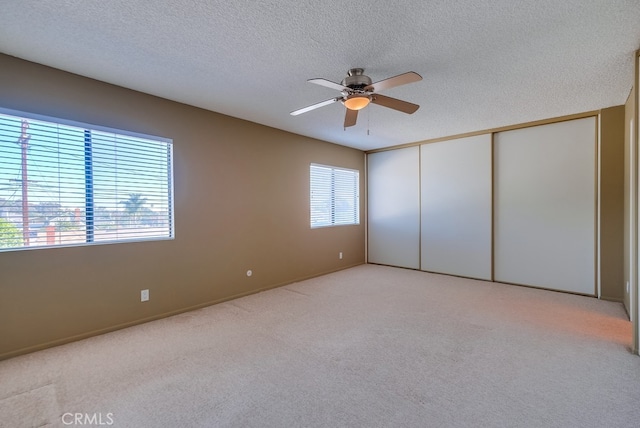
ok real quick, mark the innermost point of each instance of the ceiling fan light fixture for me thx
(357, 102)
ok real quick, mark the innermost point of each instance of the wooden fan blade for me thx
(328, 84)
(391, 82)
(350, 118)
(314, 106)
(394, 103)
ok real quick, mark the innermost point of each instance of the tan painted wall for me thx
(241, 202)
(629, 113)
(612, 203)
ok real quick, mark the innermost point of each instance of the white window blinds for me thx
(334, 196)
(64, 183)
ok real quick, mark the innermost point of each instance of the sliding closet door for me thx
(456, 207)
(544, 201)
(394, 207)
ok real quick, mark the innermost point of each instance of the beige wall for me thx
(612, 203)
(241, 202)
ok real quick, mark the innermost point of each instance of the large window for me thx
(64, 183)
(335, 195)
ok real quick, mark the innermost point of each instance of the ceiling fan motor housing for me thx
(356, 80)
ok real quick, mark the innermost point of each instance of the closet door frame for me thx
(507, 259)
(594, 114)
(393, 231)
(456, 181)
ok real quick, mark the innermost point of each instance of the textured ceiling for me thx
(485, 64)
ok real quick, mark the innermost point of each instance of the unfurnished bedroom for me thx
(283, 214)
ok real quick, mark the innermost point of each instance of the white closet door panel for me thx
(394, 207)
(544, 200)
(456, 207)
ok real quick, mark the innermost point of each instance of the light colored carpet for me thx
(370, 346)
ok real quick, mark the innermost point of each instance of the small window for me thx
(334, 195)
(64, 183)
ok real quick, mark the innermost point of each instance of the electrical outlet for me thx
(340, 255)
(144, 295)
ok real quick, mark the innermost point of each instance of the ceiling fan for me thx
(358, 91)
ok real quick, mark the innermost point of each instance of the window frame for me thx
(90, 225)
(356, 196)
